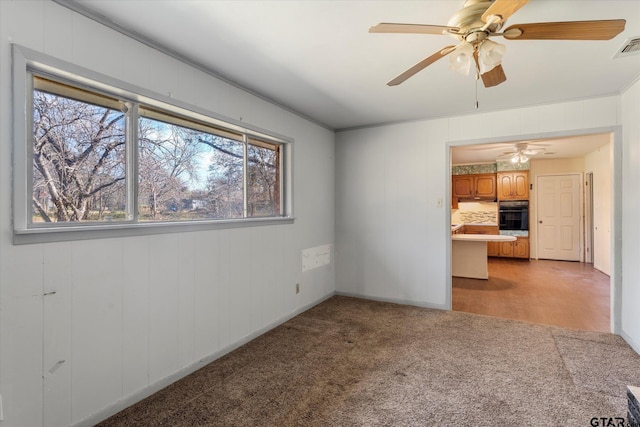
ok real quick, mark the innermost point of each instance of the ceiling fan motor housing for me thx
(469, 21)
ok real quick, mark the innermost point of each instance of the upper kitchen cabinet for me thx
(513, 185)
(474, 186)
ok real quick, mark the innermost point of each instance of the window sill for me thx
(103, 231)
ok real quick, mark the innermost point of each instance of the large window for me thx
(100, 155)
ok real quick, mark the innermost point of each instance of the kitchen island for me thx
(469, 254)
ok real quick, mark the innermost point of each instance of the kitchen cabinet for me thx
(462, 186)
(521, 248)
(517, 249)
(474, 186)
(506, 249)
(513, 185)
(493, 248)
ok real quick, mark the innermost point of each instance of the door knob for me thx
(540, 221)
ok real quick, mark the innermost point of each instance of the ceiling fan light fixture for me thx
(490, 55)
(460, 59)
(519, 157)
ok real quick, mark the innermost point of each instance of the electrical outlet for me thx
(297, 288)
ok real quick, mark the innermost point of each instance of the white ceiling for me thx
(558, 148)
(318, 59)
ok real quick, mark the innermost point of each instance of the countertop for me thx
(483, 237)
(455, 227)
(519, 233)
(484, 224)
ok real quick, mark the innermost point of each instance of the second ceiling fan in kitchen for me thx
(478, 21)
(522, 152)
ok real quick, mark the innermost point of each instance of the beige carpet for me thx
(352, 362)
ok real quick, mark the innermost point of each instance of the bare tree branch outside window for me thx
(188, 174)
(225, 177)
(167, 167)
(78, 160)
(263, 187)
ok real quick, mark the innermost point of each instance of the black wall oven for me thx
(513, 214)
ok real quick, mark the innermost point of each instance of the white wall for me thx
(390, 235)
(631, 213)
(130, 314)
(599, 163)
(392, 241)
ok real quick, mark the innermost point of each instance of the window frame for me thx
(28, 63)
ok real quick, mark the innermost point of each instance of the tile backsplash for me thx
(473, 169)
(475, 213)
(501, 166)
(478, 217)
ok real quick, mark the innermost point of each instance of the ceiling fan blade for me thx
(538, 145)
(421, 65)
(503, 9)
(494, 76)
(573, 30)
(494, 146)
(386, 27)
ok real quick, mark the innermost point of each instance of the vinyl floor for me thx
(568, 294)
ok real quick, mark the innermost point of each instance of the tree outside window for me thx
(78, 160)
(186, 169)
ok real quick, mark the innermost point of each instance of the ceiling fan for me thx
(478, 21)
(522, 152)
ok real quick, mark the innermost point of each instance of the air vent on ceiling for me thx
(630, 47)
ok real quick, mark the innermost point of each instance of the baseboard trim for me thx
(634, 345)
(423, 304)
(159, 385)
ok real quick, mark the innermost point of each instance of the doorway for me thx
(513, 270)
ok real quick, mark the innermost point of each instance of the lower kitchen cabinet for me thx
(521, 248)
(493, 248)
(506, 249)
(515, 249)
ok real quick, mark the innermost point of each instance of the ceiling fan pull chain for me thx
(477, 78)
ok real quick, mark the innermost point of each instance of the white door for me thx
(559, 217)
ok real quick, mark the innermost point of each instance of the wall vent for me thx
(630, 47)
